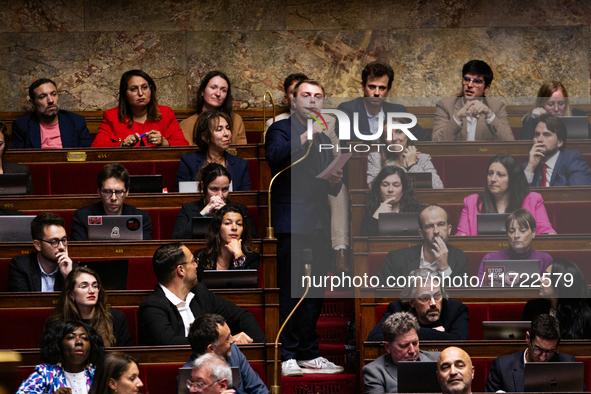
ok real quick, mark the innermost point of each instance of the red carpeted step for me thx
(338, 307)
(335, 353)
(332, 330)
(318, 383)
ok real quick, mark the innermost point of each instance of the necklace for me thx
(223, 266)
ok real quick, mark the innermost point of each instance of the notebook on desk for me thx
(418, 377)
(16, 228)
(13, 183)
(230, 279)
(115, 228)
(145, 183)
(549, 377)
(577, 127)
(398, 223)
(491, 223)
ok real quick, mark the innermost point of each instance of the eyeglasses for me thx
(200, 385)
(475, 81)
(539, 351)
(55, 242)
(427, 298)
(135, 89)
(108, 193)
(86, 286)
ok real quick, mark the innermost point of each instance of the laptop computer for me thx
(421, 180)
(418, 377)
(500, 330)
(199, 226)
(398, 223)
(113, 273)
(230, 279)
(185, 374)
(577, 127)
(115, 228)
(491, 223)
(553, 377)
(13, 183)
(145, 183)
(16, 228)
(510, 273)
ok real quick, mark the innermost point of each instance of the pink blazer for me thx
(533, 203)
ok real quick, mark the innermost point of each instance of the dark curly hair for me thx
(518, 187)
(573, 310)
(408, 203)
(52, 346)
(213, 242)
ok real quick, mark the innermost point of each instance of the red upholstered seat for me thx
(22, 328)
(4, 274)
(41, 180)
(481, 367)
(131, 315)
(140, 275)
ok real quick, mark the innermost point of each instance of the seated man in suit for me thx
(401, 341)
(48, 126)
(434, 254)
(46, 269)
(209, 334)
(506, 372)
(165, 316)
(455, 371)
(112, 183)
(470, 116)
(376, 82)
(211, 374)
(550, 163)
(440, 318)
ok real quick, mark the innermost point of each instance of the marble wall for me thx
(86, 45)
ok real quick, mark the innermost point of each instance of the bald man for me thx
(455, 371)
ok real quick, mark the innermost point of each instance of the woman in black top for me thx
(227, 244)
(214, 181)
(83, 298)
(391, 191)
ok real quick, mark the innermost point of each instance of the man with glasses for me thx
(46, 269)
(113, 187)
(210, 375)
(506, 372)
(550, 163)
(48, 126)
(470, 116)
(440, 317)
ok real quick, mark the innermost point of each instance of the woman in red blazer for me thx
(139, 120)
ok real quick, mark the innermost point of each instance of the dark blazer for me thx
(453, 317)
(24, 274)
(252, 262)
(183, 224)
(80, 223)
(402, 261)
(357, 105)
(534, 308)
(160, 323)
(26, 132)
(506, 372)
(381, 375)
(236, 166)
(14, 168)
(571, 170)
(527, 125)
(298, 211)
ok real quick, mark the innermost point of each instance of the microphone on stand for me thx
(307, 260)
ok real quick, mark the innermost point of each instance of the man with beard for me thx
(402, 344)
(434, 254)
(165, 316)
(46, 269)
(455, 371)
(48, 126)
(550, 163)
(210, 334)
(440, 317)
(470, 116)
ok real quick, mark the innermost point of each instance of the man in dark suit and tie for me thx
(506, 372)
(401, 341)
(434, 253)
(48, 126)
(46, 269)
(550, 163)
(376, 81)
(440, 317)
(301, 218)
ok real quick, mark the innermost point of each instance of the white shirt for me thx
(550, 164)
(77, 382)
(432, 266)
(471, 126)
(47, 280)
(374, 120)
(183, 307)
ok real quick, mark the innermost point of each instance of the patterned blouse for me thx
(47, 378)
